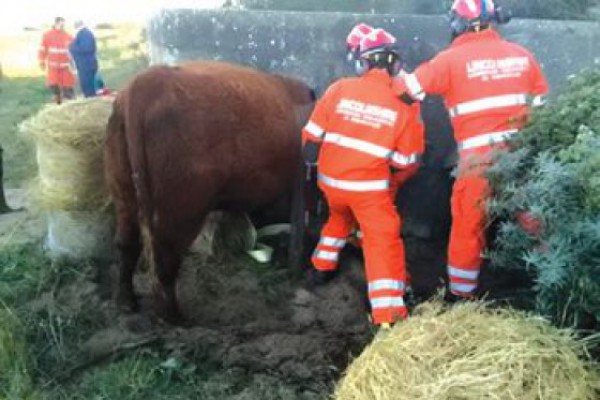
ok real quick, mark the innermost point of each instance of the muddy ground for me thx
(263, 319)
(242, 315)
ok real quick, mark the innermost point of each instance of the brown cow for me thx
(185, 140)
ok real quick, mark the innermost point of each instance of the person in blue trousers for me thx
(83, 51)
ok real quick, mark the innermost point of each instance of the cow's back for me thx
(213, 136)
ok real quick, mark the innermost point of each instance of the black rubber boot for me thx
(320, 278)
(452, 298)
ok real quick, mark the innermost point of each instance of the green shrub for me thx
(553, 173)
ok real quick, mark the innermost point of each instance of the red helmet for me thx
(377, 50)
(356, 35)
(377, 41)
(474, 9)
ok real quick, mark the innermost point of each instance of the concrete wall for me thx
(311, 46)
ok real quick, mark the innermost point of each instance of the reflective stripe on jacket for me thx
(54, 49)
(488, 85)
(364, 128)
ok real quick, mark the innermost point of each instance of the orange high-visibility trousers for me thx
(467, 235)
(398, 179)
(382, 246)
(60, 76)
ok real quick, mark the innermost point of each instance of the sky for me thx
(17, 14)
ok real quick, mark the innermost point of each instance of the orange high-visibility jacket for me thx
(54, 53)
(488, 84)
(364, 128)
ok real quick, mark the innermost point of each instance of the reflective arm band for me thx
(402, 161)
(314, 130)
(414, 87)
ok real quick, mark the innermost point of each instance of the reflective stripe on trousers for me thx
(386, 284)
(379, 303)
(463, 288)
(463, 273)
(327, 255)
(355, 186)
(467, 236)
(486, 139)
(332, 242)
(463, 281)
(327, 252)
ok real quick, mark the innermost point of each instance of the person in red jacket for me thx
(359, 135)
(54, 58)
(489, 85)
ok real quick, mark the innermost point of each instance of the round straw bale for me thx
(69, 140)
(472, 352)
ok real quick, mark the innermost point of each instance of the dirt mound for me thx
(262, 319)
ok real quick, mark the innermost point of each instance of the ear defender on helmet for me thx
(361, 66)
(394, 64)
(458, 25)
(502, 16)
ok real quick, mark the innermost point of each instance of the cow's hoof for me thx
(171, 315)
(128, 302)
(167, 310)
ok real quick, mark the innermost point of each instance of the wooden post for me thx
(4, 208)
(296, 253)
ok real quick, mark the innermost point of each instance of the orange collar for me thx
(379, 75)
(488, 34)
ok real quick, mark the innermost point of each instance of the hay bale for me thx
(69, 140)
(79, 234)
(71, 187)
(472, 352)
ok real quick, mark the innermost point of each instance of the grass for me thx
(23, 91)
(24, 273)
(19, 98)
(41, 339)
(41, 336)
(15, 379)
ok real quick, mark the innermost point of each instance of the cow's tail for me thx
(138, 159)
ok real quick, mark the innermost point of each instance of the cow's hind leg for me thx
(167, 260)
(171, 238)
(129, 247)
